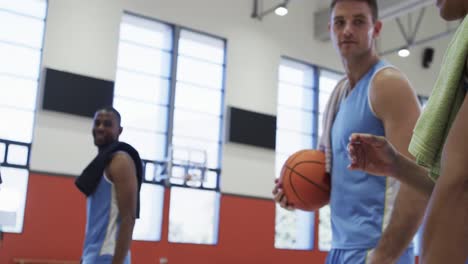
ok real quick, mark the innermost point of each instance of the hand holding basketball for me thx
(306, 185)
(279, 196)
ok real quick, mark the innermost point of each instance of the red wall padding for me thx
(55, 220)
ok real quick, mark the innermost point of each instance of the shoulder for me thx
(120, 157)
(389, 86)
(120, 162)
(386, 76)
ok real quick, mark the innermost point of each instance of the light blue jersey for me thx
(360, 203)
(102, 225)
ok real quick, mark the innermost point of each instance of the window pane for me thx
(148, 226)
(196, 125)
(35, 8)
(142, 84)
(199, 99)
(142, 116)
(295, 96)
(23, 124)
(17, 92)
(211, 179)
(26, 30)
(211, 148)
(21, 61)
(13, 197)
(295, 127)
(323, 100)
(325, 233)
(145, 60)
(200, 73)
(146, 32)
(151, 146)
(280, 159)
(327, 83)
(296, 120)
(17, 155)
(296, 73)
(294, 229)
(328, 80)
(201, 47)
(193, 216)
(21, 37)
(290, 142)
(154, 172)
(142, 87)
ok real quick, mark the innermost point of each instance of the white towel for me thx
(333, 105)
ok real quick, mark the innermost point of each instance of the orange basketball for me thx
(305, 181)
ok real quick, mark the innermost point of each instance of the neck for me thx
(104, 147)
(358, 67)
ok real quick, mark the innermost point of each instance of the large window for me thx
(21, 38)
(296, 127)
(303, 93)
(170, 90)
(142, 90)
(327, 82)
(198, 118)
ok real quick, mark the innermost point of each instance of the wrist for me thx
(397, 166)
(380, 257)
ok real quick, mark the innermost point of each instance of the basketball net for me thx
(185, 166)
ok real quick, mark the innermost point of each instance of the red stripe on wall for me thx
(55, 221)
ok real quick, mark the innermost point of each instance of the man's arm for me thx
(395, 103)
(446, 230)
(122, 173)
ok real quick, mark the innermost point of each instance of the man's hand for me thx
(372, 154)
(280, 197)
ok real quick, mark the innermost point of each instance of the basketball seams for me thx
(292, 185)
(306, 179)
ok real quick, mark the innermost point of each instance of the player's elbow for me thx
(128, 219)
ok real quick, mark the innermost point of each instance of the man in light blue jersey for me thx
(440, 147)
(373, 218)
(111, 183)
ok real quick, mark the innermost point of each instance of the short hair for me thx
(112, 110)
(371, 3)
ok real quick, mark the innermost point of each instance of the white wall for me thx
(422, 79)
(82, 37)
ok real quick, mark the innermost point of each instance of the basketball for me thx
(305, 181)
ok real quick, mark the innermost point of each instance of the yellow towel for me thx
(447, 96)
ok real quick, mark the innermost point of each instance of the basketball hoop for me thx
(185, 167)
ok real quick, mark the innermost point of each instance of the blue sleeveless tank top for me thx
(360, 203)
(102, 225)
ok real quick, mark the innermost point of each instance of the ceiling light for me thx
(404, 53)
(281, 10)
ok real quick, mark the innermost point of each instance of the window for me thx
(198, 119)
(20, 50)
(327, 82)
(169, 90)
(303, 93)
(296, 130)
(141, 94)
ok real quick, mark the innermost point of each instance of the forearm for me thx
(405, 220)
(413, 175)
(446, 233)
(124, 239)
